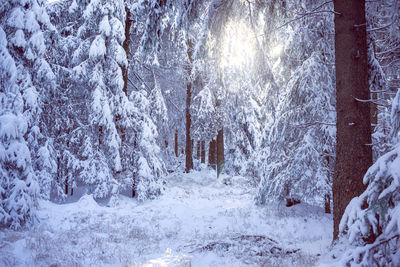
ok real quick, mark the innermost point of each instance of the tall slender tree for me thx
(189, 159)
(353, 150)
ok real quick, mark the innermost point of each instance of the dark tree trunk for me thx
(58, 171)
(203, 152)
(327, 204)
(220, 153)
(353, 152)
(66, 185)
(176, 144)
(198, 152)
(134, 172)
(189, 159)
(327, 197)
(212, 154)
(126, 44)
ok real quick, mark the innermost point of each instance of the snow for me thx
(104, 26)
(16, 19)
(12, 127)
(197, 221)
(19, 39)
(98, 47)
(30, 22)
(37, 41)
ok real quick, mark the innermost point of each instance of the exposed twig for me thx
(307, 14)
(308, 124)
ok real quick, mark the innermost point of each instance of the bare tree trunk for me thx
(203, 152)
(212, 154)
(126, 44)
(189, 159)
(327, 199)
(353, 152)
(66, 185)
(134, 173)
(220, 153)
(176, 144)
(198, 152)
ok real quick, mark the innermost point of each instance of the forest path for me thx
(198, 221)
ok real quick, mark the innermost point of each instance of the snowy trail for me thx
(198, 221)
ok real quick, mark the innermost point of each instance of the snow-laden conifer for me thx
(27, 76)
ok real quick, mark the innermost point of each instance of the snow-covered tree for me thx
(23, 43)
(295, 155)
(98, 61)
(371, 221)
(301, 138)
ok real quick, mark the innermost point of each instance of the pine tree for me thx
(299, 138)
(98, 63)
(25, 73)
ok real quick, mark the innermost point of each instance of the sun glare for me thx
(276, 50)
(238, 45)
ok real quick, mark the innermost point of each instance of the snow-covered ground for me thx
(198, 221)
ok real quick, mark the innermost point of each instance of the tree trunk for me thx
(126, 44)
(176, 144)
(203, 152)
(189, 159)
(353, 152)
(212, 154)
(134, 172)
(327, 204)
(66, 185)
(220, 152)
(198, 152)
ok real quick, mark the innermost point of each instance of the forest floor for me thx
(198, 221)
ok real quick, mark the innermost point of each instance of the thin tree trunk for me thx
(203, 152)
(134, 172)
(353, 152)
(198, 152)
(189, 159)
(212, 154)
(126, 44)
(220, 153)
(66, 185)
(327, 199)
(176, 144)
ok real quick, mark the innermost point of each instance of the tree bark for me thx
(126, 44)
(198, 152)
(327, 199)
(220, 153)
(176, 144)
(212, 154)
(189, 159)
(353, 154)
(134, 172)
(203, 152)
